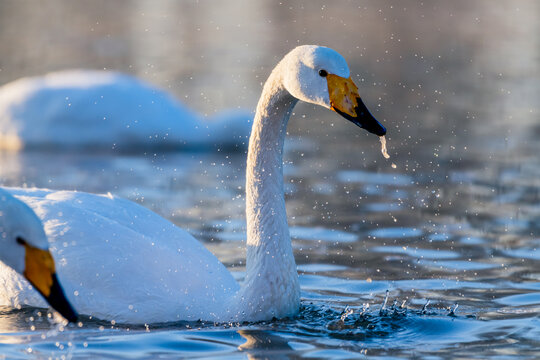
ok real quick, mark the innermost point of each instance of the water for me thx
(456, 222)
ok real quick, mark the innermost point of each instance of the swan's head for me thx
(24, 248)
(319, 75)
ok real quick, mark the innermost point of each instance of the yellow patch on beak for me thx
(39, 269)
(343, 94)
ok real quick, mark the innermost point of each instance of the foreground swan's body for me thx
(107, 110)
(121, 262)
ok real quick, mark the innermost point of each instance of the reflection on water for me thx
(456, 222)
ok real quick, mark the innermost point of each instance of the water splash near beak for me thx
(383, 147)
(384, 151)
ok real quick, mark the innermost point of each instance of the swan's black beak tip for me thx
(375, 128)
(366, 121)
(363, 118)
(59, 302)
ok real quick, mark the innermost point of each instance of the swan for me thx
(107, 110)
(24, 249)
(120, 261)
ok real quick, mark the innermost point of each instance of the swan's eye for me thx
(20, 240)
(323, 72)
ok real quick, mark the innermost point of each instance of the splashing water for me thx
(453, 310)
(345, 314)
(383, 147)
(384, 151)
(424, 308)
(383, 306)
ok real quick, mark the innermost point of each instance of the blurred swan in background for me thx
(120, 261)
(109, 111)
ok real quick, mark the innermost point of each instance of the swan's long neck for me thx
(271, 284)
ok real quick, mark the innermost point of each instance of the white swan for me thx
(107, 110)
(24, 249)
(122, 262)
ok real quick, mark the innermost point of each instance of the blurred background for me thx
(411, 59)
(456, 83)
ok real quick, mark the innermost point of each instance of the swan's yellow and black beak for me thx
(40, 272)
(345, 100)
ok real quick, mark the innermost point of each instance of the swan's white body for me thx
(109, 111)
(120, 261)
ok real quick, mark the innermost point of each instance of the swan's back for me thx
(108, 110)
(116, 255)
(92, 109)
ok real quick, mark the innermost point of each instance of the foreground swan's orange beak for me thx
(40, 272)
(345, 100)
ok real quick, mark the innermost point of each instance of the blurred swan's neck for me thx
(271, 285)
